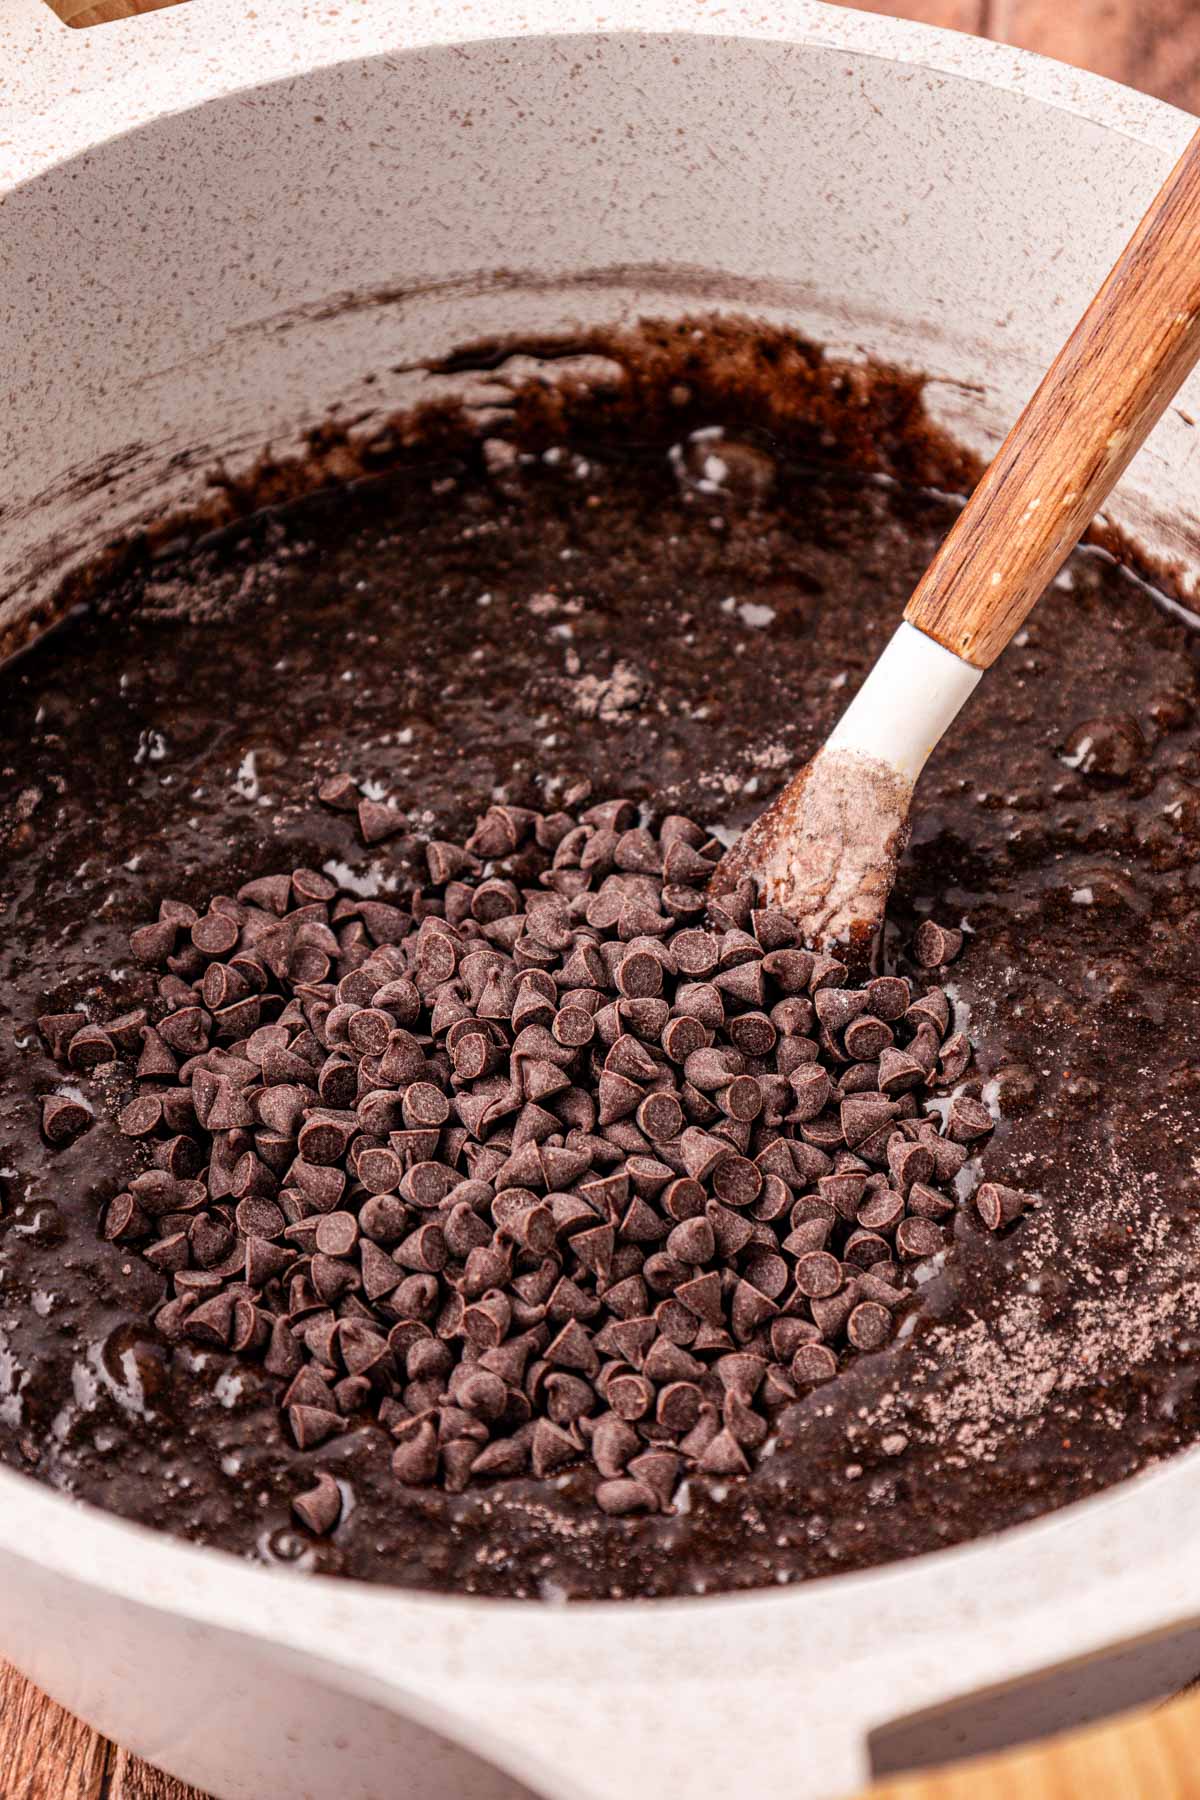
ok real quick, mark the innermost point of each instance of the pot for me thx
(222, 226)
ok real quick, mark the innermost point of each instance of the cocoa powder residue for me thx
(826, 850)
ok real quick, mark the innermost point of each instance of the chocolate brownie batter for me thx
(665, 587)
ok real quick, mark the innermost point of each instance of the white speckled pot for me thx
(216, 223)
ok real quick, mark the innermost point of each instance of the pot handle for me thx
(102, 12)
(598, 1740)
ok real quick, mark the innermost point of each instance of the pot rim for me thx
(936, 1625)
(177, 58)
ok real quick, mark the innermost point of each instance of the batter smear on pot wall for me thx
(569, 660)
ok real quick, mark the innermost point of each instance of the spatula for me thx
(826, 850)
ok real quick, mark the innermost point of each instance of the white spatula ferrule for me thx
(909, 699)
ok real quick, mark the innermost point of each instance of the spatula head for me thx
(825, 851)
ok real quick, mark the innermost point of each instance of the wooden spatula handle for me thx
(1105, 391)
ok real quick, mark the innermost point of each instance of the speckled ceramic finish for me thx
(216, 223)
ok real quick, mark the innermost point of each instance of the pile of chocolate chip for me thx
(557, 1158)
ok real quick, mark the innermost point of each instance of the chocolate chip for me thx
(869, 1326)
(660, 1116)
(378, 822)
(931, 1008)
(749, 1310)
(742, 1099)
(369, 1030)
(916, 1237)
(630, 1396)
(871, 1285)
(264, 1261)
(624, 1496)
(423, 1250)
(863, 1248)
(211, 1323)
(788, 970)
(767, 1272)
(696, 952)
(339, 792)
(324, 1138)
(619, 1097)
(550, 1447)
(753, 1034)
(487, 1321)
(948, 1159)
(424, 1105)
(336, 1233)
(702, 1296)
(63, 1118)
(817, 1274)
(998, 1205)
(639, 975)
(812, 1364)
(58, 1029)
(967, 1119)
(284, 1356)
(415, 1458)
(787, 1335)
(692, 1242)
(529, 1167)
(724, 1456)
(882, 1211)
(710, 1069)
(934, 945)
(682, 1037)
(773, 1202)
(859, 1078)
(320, 1507)
(866, 1038)
(737, 1181)
(332, 1278)
(573, 1027)
(861, 1115)
(700, 1001)
(259, 1217)
(928, 1202)
(216, 934)
(955, 1058)
(909, 1163)
(152, 944)
(888, 997)
(825, 1133)
(812, 1091)
(474, 1055)
(90, 1048)
(899, 1072)
(186, 1031)
(837, 1007)
(156, 1059)
(124, 1220)
(843, 1191)
(743, 984)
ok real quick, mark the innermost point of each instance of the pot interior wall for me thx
(182, 299)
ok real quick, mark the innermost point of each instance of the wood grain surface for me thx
(955, 15)
(47, 1755)
(1149, 1755)
(1149, 44)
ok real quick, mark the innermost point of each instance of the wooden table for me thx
(47, 1755)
